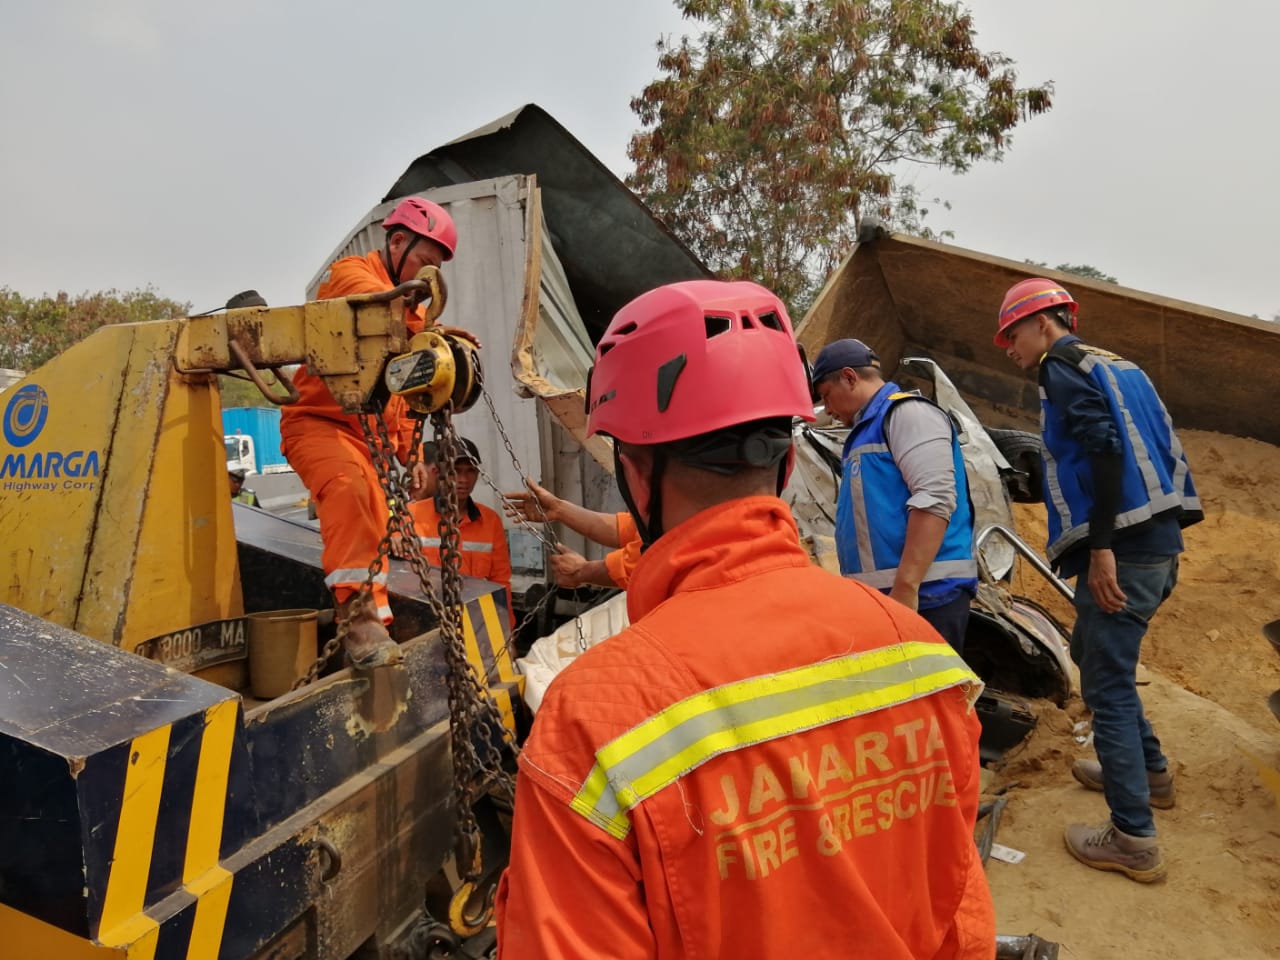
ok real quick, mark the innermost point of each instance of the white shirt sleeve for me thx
(919, 436)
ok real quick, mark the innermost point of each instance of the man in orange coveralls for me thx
(771, 760)
(572, 569)
(327, 447)
(483, 541)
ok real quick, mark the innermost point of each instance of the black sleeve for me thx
(1108, 472)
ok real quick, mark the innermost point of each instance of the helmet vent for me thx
(771, 320)
(624, 330)
(668, 373)
(718, 325)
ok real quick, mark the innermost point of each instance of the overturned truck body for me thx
(915, 297)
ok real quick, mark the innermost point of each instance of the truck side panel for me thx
(262, 425)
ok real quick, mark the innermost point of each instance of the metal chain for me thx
(475, 723)
(476, 727)
(550, 538)
(473, 715)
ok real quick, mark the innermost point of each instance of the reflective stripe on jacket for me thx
(872, 512)
(791, 761)
(1155, 479)
(653, 755)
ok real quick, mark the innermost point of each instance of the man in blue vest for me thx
(904, 523)
(1118, 492)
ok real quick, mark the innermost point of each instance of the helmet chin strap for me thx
(785, 467)
(386, 255)
(651, 530)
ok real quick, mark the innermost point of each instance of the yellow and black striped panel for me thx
(486, 633)
(169, 835)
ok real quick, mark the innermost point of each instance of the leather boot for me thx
(1106, 848)
(1163, 794)
(367, 642)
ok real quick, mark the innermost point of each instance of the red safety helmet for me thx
(426, 219)
(691, 358)
(1028, 297)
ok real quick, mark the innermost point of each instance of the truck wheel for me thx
(1022, 450)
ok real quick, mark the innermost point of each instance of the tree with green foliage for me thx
(767, 137)
(1079, 269)
(34, 330)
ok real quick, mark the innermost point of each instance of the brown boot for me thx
(1106, 848)
(367, 642)
(1163, 795)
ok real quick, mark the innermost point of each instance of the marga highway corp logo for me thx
(39, 469)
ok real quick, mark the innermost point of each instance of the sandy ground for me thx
(1207, 674)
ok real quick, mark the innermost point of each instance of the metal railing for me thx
(1026, 552)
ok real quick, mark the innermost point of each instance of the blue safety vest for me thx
(1156, 478)
(871, 511)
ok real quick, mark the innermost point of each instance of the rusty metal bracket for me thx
(332, 859)
(246, 364)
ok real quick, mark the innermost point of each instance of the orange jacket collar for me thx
(722, 544)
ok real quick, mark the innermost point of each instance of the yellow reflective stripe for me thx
(204, 878)
(588, 803)
(753, 688)
(502, 700)
(497, 642)
(473, 646)
(123, 921)
(213, 890)
(685, 735)
(209, 799)
(733, 738)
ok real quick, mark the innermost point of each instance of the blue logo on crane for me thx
(25, 415)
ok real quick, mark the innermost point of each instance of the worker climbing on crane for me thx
(327, 447)
(771, 760)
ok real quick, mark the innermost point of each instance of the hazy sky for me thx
(204, 148)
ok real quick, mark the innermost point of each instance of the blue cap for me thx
(843, 353)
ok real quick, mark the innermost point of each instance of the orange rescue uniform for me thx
(771, 761)
(327, 449)
(484, 543)
(622, 562)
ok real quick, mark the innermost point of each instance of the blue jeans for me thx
(951, 619)
(1106, 646)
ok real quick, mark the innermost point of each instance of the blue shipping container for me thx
(262, 425)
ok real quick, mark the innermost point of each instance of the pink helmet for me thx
(695, 357)
(426, 219)
(1028, 297)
